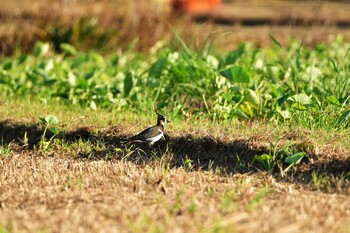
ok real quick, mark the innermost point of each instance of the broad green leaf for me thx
(49, 119)
(23, 58)
(41, 49)
(114, 60)
(333, 100)
(232, 56)
(128, 83)
(240, 114)
(72, 79)
(97, 59)
(93, 105)
(157, 68)
(69, 49)
(299, 106)
(284, 113)
(7, 65)
(236, 74)
(252, 97)
(301, 98)
(295, 158)
(79, 61)
(227, 96)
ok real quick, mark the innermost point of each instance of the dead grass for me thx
(111, 25)
(55, 194)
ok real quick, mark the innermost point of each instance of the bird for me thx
(151, 134)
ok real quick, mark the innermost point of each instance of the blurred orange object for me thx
(195, 6)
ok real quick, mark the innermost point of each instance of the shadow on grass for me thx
(204, 153)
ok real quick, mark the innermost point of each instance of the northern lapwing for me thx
(151, 134)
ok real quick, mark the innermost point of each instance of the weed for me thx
(188, 164)
(50, 122)
(271, 160)
(5, 150)
(278, 158)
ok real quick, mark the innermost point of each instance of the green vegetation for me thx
(308, 87)
(50, 122)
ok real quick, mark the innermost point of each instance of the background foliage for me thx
(304, 85)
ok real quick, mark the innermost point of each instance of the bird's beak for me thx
(168, 121)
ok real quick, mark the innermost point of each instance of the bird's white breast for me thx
(156, 138)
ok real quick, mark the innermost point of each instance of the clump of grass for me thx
(5, 150)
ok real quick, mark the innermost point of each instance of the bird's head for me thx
(161, 119)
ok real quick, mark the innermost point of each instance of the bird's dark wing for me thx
(147, 133)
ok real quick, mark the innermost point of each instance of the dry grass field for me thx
(86, 181)
(63, 194)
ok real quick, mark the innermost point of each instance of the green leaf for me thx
(299, 106)
(252, 97)
(275, 41)
(343, 117)
(98, 59)
(69, 49)
(41, 49)
(7, 65)
(301, 98)
(157, 68)
(227, 96)
(295, 158)
(79, 61)
(236, 74)
(72, 79)
(240, 114)
(232, 56)
(266, 160)
(54, 130)
(114, 60)
(333, 100)
(49, 119)
(188, 161)
(128, 83)
(284, 113)
(93, 105)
